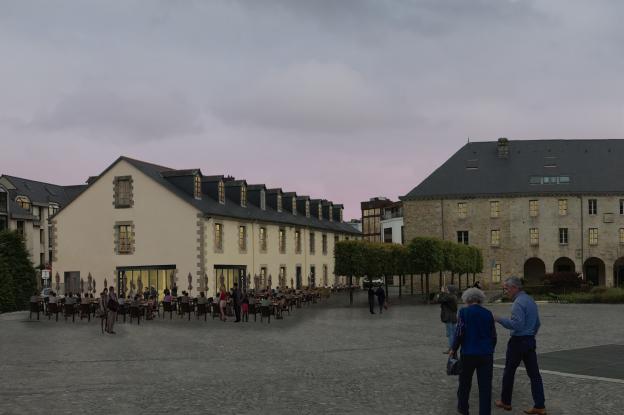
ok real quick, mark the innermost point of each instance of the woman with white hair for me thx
(476, 335)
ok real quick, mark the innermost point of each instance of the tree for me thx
(427, 256)
(18, 278)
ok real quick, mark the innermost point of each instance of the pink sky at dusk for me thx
(340, 100)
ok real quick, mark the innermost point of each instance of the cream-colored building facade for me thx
(197, 231)
(532, 207)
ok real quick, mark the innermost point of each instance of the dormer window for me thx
(294, 206)
(221, 191)
(279, 202)
(331, 213)
(320, 212)
(52, 209)
(197, 187)
(262, 199)
(340, 211)
(307, 208)
(23, 202)
(243, 195)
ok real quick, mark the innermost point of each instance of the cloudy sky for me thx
(341, 99)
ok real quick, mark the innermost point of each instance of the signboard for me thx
(45, 274)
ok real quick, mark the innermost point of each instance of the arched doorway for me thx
(594, 271)
(534, 271)
(564, 264)
(618, 272)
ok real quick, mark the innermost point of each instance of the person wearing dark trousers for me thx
(476, 336)
(524, 325)
(236, 302)
(381, 298)
(371, 299)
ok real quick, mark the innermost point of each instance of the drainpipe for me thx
(582, 240)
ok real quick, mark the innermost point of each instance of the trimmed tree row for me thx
(422, 256)
(18, 278)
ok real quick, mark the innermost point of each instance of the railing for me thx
(392, 215)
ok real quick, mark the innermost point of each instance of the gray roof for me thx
(476, 170)
(39, 193)
(211, 207)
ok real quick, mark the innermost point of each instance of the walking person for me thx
(222, 303)
(476, 336)
(236, 302)
(371, 299)
(381, 298)
(113, 306)
(524, 325)
(245, 307)
(448, 312)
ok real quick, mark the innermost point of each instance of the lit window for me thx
(534, 236)
(563, 207)
(533, 208)
(494, 209)
(282, 241)
(593, 236)
(462, 237)
(23, 202)
(243, 195)
(218, 237)
(242, 238)
(221, 189)
(124, 239)
(622, 236)
(592, 205)
(495, 237)
(563, 236)
(197, 187)
(263, 239)
(496, 273)
(462, 210)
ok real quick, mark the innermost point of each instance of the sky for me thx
(336, 99)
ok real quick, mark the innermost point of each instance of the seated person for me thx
(265, 302)
(35, 298)
(85, 299)
(185, 297)
(52, 298)
(137, 301)
(121, 300)
(202, 298)
(69, 300)
(167, 298)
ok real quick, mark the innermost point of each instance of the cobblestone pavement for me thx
(325, 359)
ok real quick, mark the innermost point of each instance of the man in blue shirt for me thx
(524, 325)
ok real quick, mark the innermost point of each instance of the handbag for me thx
(453, 366)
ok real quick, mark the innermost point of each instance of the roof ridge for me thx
(38, 181)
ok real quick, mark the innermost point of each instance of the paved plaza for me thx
(322, 359)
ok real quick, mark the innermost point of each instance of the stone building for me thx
(140, 224)
(533, 207)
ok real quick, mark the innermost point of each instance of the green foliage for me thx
(603, 295)
(426, 254)
(18, 279)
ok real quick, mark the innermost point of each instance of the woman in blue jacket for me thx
(476, 335)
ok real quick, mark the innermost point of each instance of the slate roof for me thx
(476, 170)
(211, 207)
(39, 193)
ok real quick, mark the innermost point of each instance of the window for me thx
(23, 202)
(3, 223)
(387, 235)
(197, 190)
(325, 276)
(124, 239)
(621, 236)
(293, 207)
(563, 207)
(336, 239)
(243, 195)
(462, 237)
(282, 240)
(563, 236)
(242, 238)
(263, 239)
(496, 273)
(42, 258)
(41, 237)
(279, 202)
(592, 205)
(221, 191)
(495, 237)
(462, 209)
(20, 228)
(312, 247)
(320, 212)
(307, 208)
(340, 215)
(494, 209)
(52, 209)
(36, 212)
(331, 213)
(123, 192)
(282, 277)
(533, 208)
(534, 236)
(3, 201)
(593, 236)
(218, 236)
(324, 243)
(621, 206)
(297, 241)
(262, 199)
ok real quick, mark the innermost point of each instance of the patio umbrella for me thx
(105, 283)
(221, 280)
(270, 281)
(140, 285)
(256, 281)
(172, 278)
(292, 283)
(205, 282)
(58, 281)
(82, 285)
(94, 286)
(190, 281)
(89, 283)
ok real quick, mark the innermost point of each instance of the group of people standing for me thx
(472, 331)
(381, 299)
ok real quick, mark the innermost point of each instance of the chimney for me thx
(503, 148)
